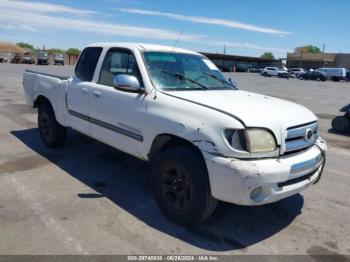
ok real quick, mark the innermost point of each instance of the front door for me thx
(118, 117)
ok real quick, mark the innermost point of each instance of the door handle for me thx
(97, 93)
(84, 90)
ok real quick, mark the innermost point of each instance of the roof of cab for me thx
(143, 47)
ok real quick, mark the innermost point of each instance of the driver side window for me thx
(118, 62)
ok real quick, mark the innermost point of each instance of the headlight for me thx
(260, 140)
(252, 140)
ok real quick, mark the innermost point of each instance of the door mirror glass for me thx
(127, 83)
(233, 82)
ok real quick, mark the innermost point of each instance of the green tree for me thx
(308, 49)
(56, 51)
(267, 55)
(25, 45)
(73, 51)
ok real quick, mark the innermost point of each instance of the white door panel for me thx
(78, 96)
(118, 118)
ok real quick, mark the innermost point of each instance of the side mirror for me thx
(233, 82)
(128, 83)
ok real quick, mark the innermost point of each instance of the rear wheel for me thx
(341, 123)
(181, 186)
(265, 74)
(52, 133)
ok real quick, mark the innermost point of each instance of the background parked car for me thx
(336, 74)
(313, 75)
(27, 59)
(3, 59)
(43, 58)
(274, 71)
(295, 72)
(16, 59)
(59, 59)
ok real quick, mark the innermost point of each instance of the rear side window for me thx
(87, 63)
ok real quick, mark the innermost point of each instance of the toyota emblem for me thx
(308, 134)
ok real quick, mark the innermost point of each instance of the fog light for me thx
(260, 194)
(254, 195)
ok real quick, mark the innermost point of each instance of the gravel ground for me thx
(88, 198)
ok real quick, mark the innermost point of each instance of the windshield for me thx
(180, 72)
(59, 56)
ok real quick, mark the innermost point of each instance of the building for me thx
(235, 63)
(314, 61)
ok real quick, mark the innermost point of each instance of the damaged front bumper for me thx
(262, 181)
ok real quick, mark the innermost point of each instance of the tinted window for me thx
(118, 62)
(86, 65)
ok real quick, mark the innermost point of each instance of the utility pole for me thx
(324, 47)
(224, 49)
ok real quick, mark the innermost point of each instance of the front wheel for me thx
(341, 123)
(181, 186)
(52, 133)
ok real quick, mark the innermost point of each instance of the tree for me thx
(56, 51)
(73, 51)
(25, 45)
(267, 55)
(308, 49)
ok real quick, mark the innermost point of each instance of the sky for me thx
(240, 27)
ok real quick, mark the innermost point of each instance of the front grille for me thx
(297, 137)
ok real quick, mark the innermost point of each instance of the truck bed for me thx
(47, 74)
(52, 87)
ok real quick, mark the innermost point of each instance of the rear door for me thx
(80, 89)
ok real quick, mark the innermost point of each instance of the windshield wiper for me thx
(180, 76)
(220, 80)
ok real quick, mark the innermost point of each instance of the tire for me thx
(265, 74)
(341, 123)
(52, 133)
(181, 186)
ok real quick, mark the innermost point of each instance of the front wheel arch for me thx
(163, 142)
(40, 100)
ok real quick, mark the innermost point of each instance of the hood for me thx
(254, 110)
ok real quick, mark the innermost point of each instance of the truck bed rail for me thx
(47, 74)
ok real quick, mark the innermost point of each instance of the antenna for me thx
(177, 40)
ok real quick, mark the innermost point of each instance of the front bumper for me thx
(257, 182)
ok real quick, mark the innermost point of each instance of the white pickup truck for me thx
(205, 139)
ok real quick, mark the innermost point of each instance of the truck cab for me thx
(205, 139)
(43, 58)
(59, 59)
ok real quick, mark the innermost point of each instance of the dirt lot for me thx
(88, 198)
